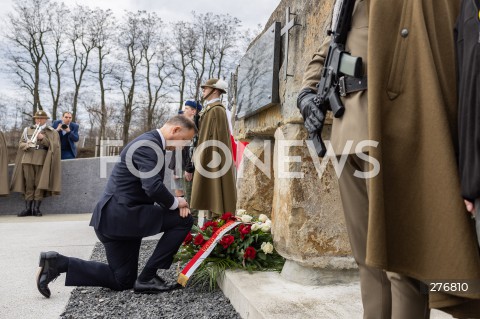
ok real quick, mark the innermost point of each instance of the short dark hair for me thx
(182, 121)
(63, 114)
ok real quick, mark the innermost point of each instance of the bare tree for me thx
(130, 40)
(224, 39)
(226, 28)
(59, 14)
(96, 117)
(82, 39)
(156, 51)
(3, 114)
(102, 30)
(216, 39)
(27, 28)
(90, 104)
(184, 42)
(204, 34)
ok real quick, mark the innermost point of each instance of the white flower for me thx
(241, 212)
(263, 218)
(268, 222)
(256, 226)
(265, 227)
(267, 247)
(246, 218)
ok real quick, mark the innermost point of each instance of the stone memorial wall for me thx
(283, 182)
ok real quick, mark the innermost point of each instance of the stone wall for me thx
(308, 223)
(82, 185)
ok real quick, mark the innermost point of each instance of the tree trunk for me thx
(150, 97)
(103, 117)
(36, 96)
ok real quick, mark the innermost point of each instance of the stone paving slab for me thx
(263, 295)
(22, 240)
(266, 295)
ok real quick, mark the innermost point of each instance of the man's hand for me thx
(313, 114)
(469, 206)
(25, 147)
(40, 136)
(59, 127)
(184, 212)
(182, 202)
(188, 176)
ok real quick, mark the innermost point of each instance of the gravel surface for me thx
(190, 302)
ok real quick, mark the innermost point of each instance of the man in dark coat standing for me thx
(68, 133)
(135, 204)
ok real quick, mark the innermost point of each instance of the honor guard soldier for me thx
(213, 189)
(37, 170)
(407, 223)
(4, 190)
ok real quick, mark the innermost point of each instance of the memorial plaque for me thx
(257, 79)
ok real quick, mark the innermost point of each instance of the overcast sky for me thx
(250, 12)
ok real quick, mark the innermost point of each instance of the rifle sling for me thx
(348, 84)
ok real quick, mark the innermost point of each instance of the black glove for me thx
(313, 113)
(314, 116)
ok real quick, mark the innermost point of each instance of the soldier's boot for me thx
(28, 209)
(36, 208)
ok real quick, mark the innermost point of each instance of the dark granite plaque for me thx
(257, 80)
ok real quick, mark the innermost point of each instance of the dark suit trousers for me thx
(122, 255)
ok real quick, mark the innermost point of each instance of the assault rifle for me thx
(196, 119)
(338, 63)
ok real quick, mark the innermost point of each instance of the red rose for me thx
(244, 230)
(199, 240)
(208, 224)
(188, 239)
(227, 216)
(226, 241)
(250, 253)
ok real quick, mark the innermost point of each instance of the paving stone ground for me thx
(189, 302)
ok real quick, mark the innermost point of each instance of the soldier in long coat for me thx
(37, 170)
(4, 189)
(213, 188)
(409, 219)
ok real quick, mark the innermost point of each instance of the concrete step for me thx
(267, 295)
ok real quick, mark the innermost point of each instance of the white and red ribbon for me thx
(204, 252)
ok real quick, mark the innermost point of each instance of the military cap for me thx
(41, 115)
(218, 84)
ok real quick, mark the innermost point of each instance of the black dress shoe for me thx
(153, 286)
(48, 271)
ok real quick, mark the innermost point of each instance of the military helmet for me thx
(218, 84)
(41, 115)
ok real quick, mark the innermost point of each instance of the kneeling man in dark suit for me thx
(135, 204)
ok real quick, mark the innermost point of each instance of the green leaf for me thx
(262, 256)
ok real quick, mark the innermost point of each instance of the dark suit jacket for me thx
(72, 135)
(126, 207)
